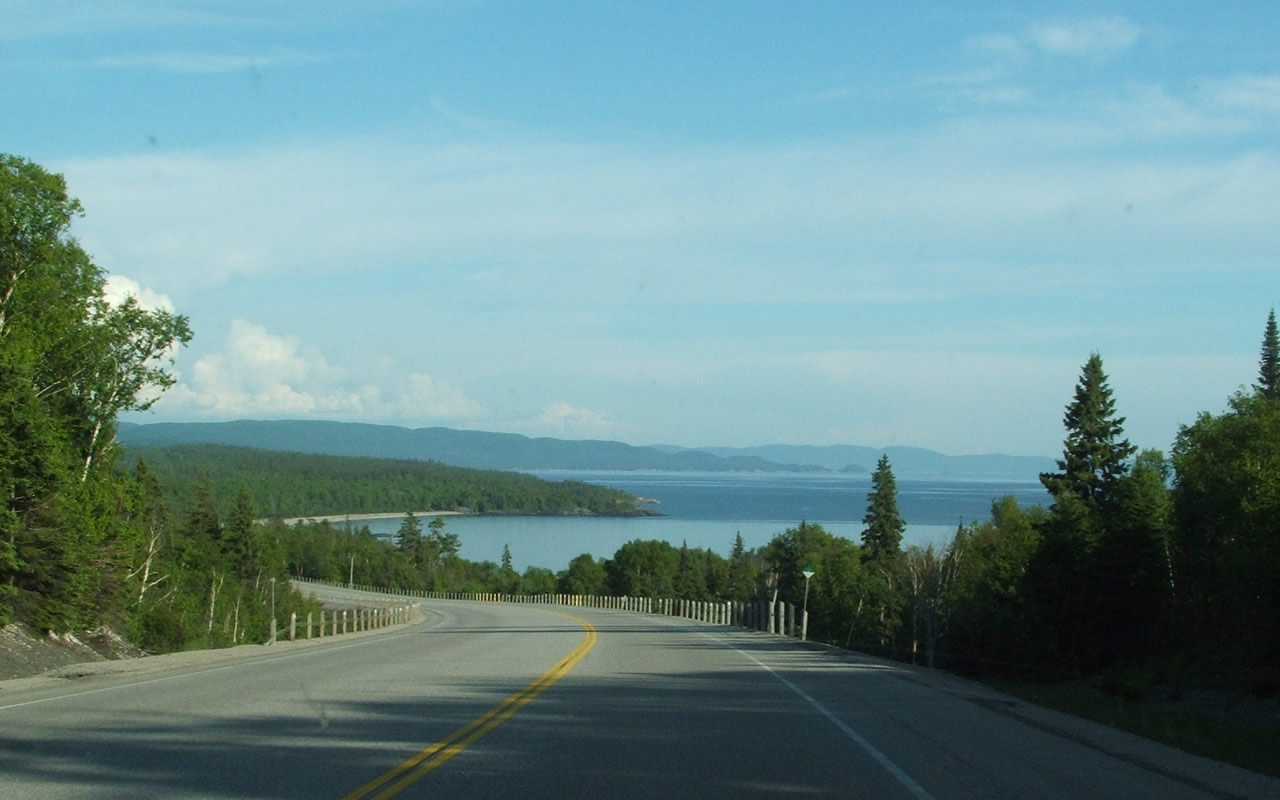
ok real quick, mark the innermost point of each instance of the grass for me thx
(1216, 725)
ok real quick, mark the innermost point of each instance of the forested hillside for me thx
(299, 484)
(82, 544)
(474, 449)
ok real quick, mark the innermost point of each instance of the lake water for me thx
(709, 509)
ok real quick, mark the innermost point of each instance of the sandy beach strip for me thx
(363, 517)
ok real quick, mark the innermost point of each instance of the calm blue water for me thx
(710, 509)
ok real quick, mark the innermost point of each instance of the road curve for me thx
(495, 700)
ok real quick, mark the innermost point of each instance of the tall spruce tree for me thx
(1268, 384)
(882, 538)
(1066, 579)
(238, 537)
(1095, 454)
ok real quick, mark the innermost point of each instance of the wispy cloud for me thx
(27, 19)
(209, 62)
(832, 94)
(1000, 44)
(1260, 93)
(1091, 38)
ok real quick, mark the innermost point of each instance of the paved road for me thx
(487, 700)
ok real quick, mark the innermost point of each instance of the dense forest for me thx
(302, 484)
(1142, 558)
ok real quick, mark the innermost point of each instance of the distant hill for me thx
(289, 484)
(476, 449)
(509, 451)
(906, 461)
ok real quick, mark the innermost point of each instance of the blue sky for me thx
(697, 223)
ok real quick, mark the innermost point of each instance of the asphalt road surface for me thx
(492, 700)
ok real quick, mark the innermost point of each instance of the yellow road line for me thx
(397, 779)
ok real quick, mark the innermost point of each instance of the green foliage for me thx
(508, 578)
(741, 575)
(537, 581)
(643, 568)
(989, 626)
(691, 576)
(882, 538)
(1094, 454)
(1268, 384)
(1227, 509)
(288, 485)
(69, 362)
(584, 575)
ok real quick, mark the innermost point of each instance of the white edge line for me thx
(880, 758)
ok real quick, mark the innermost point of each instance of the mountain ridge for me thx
(512, 451)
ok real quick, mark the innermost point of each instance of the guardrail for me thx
(779, 618)
(353, 619)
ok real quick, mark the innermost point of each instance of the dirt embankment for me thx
(24, 653)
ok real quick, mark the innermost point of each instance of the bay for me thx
(708, 509)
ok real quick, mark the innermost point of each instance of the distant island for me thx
(509, 451)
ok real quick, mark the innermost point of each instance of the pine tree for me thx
(690, 583)
(1268, 384)
(739, 571)
(410, 543)
(882, 538)
(237, 538)
(1094, 454)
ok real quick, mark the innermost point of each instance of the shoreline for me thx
(369, 516)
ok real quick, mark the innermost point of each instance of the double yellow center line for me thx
(397, 779)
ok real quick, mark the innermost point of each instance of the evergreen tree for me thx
(508, 578)
(740, 579)
(410, 543)
(690, 582)
(238, 537)
(1133, 562)
(1068, 580)
(1268, 384)
(203, 526)
(882, 538)
(1094, 453)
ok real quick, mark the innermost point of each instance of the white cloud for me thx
(564, 420)
(1090, 38)
(118, 287)
(260, 374)
(423, 396)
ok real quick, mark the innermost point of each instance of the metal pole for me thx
(804, 614)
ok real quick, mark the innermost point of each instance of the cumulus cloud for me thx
(564, 419)
(118, 288)
(257, 373)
